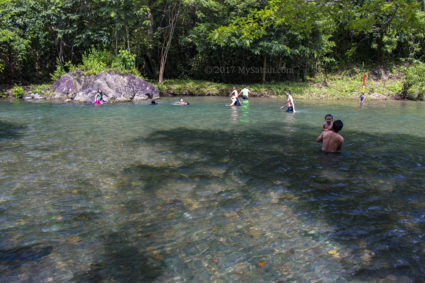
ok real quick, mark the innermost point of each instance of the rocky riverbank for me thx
(80, 88)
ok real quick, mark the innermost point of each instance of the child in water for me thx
(327, 125)
(362, 97)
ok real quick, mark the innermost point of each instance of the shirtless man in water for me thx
(290, 103)
(332, 141)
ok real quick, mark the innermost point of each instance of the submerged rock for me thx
(117, 87)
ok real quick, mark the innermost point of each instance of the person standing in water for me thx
(362, 98)
(234, 92)
(235, 98)
(331, 140)
(245, 93)
(99, 97)
(290, 102)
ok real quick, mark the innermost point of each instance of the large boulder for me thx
(117, 87)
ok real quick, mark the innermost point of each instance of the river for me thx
(209, 193)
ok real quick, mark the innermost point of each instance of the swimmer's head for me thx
(329, 117)
(337, 125)
(181, 100)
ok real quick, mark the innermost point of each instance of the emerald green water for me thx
(204, 193)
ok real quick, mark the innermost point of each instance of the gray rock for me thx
(117, 87)
(377, 96)
(396, 97)
(36, 96)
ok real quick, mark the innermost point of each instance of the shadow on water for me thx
(14, 258)
(121, 262)
(9, 130)
(121, 257)
(371, 194)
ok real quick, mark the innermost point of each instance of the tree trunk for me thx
(149, 67)
(264, 69)
(60, 55)
(381, 52)
(116, 43)
(174, 14)
(150, 18)
(128, 38)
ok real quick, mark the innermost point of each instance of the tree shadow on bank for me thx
(10, 130)
(371, 194)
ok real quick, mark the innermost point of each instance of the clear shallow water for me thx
(202, 193)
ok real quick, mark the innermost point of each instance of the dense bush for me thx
(414, 83)
(18, 91)
(95, 61)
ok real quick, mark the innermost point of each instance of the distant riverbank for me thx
(335, 86)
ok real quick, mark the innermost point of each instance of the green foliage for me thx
(41, 38)
(94, 61)
(14, 42)
(414, 83)
(346, 84)
(17, 91)
(275, 31)
(59, 71)
(124, 62)
(193, 87)
(42, 89)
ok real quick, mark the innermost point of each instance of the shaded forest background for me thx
(215, 40)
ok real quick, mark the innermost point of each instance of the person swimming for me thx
(182, 102)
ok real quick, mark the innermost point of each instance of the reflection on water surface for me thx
(139, 193)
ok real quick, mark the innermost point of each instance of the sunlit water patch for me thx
(205, 192)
